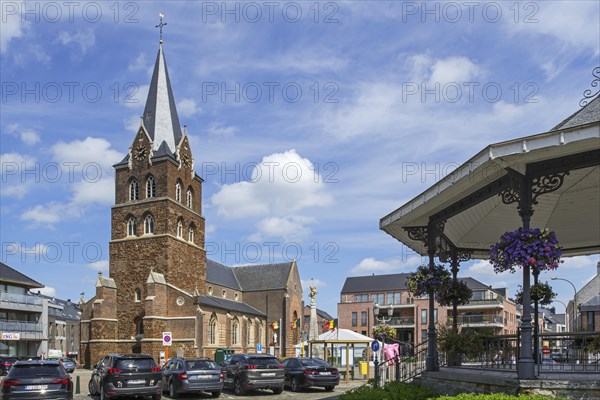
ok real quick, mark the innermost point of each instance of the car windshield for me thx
(192, 365)
(34, 370)
(314, 362)
(263, 361)
(135, 363)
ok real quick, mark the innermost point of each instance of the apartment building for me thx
(488, 307)
(63, 326)
(23, 316)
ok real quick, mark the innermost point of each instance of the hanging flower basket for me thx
(534, 247)
(427, 279)
(456, 291)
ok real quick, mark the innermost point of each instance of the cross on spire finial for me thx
(161, 25)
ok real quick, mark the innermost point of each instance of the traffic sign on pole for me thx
(375, 345)
(167, 338)
(259, 348)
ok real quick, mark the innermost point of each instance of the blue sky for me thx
(305, 119)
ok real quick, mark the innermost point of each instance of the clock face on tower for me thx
(140, 153)
(186, 160)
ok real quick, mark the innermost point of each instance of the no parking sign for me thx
(167, 339)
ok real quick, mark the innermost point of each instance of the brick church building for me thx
(160, 279)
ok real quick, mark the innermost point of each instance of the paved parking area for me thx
(309, 394)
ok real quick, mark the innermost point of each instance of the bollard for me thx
(77, 385)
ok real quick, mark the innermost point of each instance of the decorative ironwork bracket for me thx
(588, 94)
(418, 233)
(546, 184)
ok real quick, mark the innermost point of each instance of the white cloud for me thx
(454, 69)
(27, 136)
(132, 123)
(11, 26)
(370, 265)
(46, 291)
(281, 184)
(16, 191)
(187, 107)
(289, 228)
(100, 265)
(94, 192)
(219, 129)
(85, 39)
(139, 63)
(87, 152)
(307, 283)
(44, 215)
(13, 163)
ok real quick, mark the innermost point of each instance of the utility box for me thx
(364, 367)
(222, 354)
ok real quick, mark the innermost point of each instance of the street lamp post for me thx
(574, 319)
(382, 320)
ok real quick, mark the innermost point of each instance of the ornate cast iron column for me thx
(520, 192)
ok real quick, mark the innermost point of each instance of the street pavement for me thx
(308, 394)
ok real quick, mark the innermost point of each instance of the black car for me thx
(6, 363)
(253, 371)
(308, 372)
(124, 375)
(37, 380)
(192, 375)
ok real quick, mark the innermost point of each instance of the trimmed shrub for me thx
(497, 396)
(391, 391)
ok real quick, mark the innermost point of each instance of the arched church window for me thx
(189, 198)
(133, 190)
(191, 235)
(138, 295)
(150, 187)
(149, 225)
(178, 191)
(179, 229)
(235, 332)
(131, 227)
(212, 331)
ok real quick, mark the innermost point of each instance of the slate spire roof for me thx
(160, 114)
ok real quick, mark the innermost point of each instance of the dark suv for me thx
(6, 363)
(28, 380)
(253, 371)
(126, 375)
(192, 375)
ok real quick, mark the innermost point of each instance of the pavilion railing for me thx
(559, 352)
(407, 365)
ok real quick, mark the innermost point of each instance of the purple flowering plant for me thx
(457, 291)
(426, 279)
(534, 247)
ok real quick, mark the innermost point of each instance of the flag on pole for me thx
(275, 325)
(295, 324)
(331, 325)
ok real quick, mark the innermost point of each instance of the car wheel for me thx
(92, 388)
(216, 394)
(238, 388)
(329, 388)
(278, 390)
(172, 391)
(294, 385)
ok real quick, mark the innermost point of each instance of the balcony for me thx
(478, 320)
(21, 326)
(402, 322)
(496, 303)
(15, 301)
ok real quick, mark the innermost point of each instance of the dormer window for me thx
(149, 225)
(133, 190)
(188, 198)
(131, 227)
(178, 192)
(150, 187)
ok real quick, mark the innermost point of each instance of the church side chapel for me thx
(159, 277)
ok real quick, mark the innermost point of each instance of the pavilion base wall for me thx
(453, 381)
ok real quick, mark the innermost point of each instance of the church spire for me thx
(160, 114)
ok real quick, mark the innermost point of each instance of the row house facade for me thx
(488, 307)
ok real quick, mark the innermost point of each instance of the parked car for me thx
(308, 372)
(192, 375)
(69, 365)
(37, 379)
(6, 363)
(118, 375)
(243, 372)
(558, 357)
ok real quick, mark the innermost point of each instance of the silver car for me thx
(192, 375)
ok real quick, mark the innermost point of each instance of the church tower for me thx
(157, 222)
